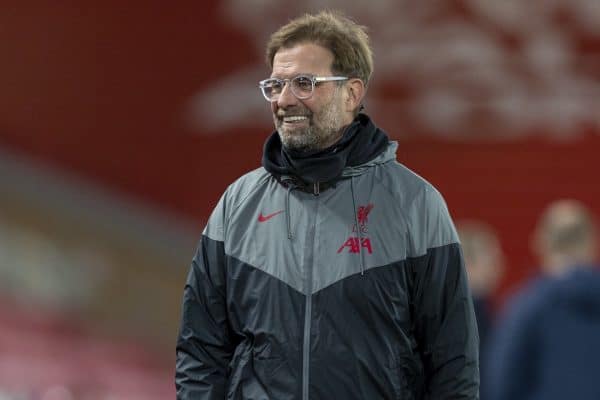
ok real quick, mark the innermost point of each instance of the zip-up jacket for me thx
(351, 290)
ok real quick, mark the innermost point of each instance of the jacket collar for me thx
(361, 144)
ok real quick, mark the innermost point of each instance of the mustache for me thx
(293, 113)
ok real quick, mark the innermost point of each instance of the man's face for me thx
(317, 122)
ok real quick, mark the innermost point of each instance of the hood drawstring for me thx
(360, 254)
(291, 186)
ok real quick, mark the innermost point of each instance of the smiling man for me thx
(333, 271)
(307, 123)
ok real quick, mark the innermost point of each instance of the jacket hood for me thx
(388, 154)
(361, 144)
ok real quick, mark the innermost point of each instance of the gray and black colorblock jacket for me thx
(357, 292)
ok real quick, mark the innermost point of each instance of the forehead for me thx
(304, 58)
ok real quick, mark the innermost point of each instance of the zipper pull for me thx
(316, 188)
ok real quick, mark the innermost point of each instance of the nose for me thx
(286, 97)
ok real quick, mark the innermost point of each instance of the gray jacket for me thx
(356, 292)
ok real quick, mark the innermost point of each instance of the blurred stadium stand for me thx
(90, 286)
(121, 125)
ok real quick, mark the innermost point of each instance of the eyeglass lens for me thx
(302, 87)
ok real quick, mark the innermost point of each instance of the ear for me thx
(355, 93)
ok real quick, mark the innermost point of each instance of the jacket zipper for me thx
(308, 303)
(306, 347)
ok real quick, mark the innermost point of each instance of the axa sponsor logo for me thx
(354, 243)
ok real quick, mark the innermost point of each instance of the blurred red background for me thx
(159, 104)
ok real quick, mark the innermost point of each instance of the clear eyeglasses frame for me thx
(302, 86)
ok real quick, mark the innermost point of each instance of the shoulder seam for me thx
(255, 187)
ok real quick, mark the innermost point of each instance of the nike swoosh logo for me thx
(263, 218)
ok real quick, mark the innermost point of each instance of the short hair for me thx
(566, 227)
(348, 41)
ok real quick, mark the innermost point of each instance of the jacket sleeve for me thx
(444, 317)
(204, 345)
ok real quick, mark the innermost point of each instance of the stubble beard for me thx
(314, 137)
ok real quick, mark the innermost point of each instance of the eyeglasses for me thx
(302, 86)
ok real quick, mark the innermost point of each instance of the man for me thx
(484, 261)
(548, 344)
(332, 272)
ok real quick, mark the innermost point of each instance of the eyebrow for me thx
(296, 75)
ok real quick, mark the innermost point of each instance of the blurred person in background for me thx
(332, 272)
(548, 344)
(484, 261)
